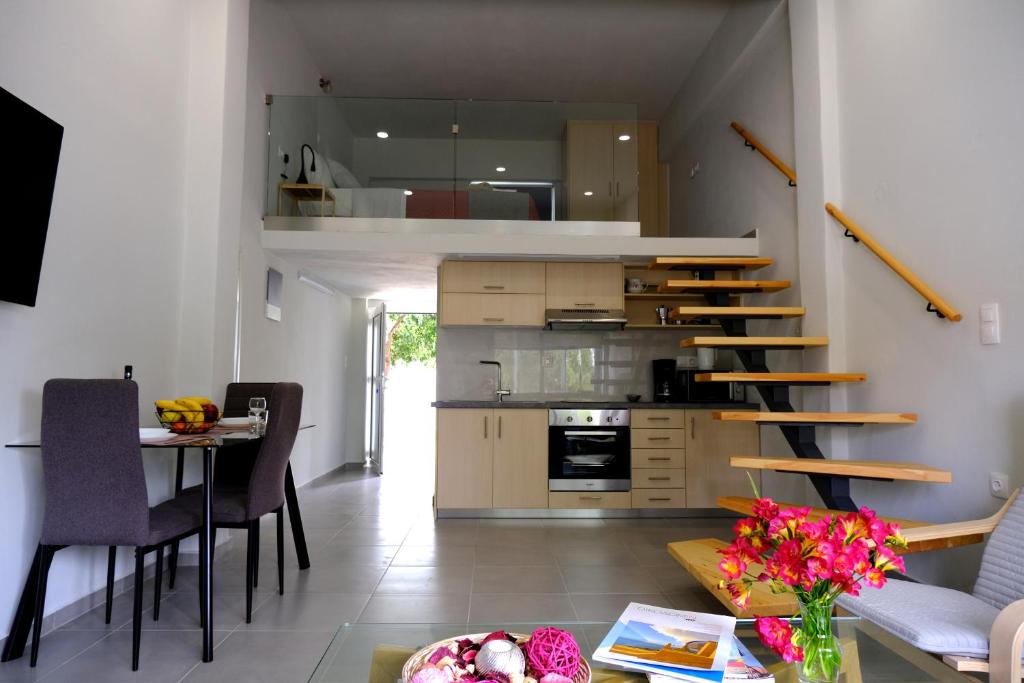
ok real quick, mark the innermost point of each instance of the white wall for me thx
(931, 147)
(735, 191)
(115, 78)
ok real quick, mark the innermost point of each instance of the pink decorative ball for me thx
(553, 651)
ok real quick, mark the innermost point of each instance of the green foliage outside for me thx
(412, 338)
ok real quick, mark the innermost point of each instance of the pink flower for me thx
(778, 635)
(732, 566)
(765, 508)
(745, 527)
(429, 674)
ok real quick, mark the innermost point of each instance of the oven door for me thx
(588, 459)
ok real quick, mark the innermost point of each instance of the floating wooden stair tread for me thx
(701, 558)
(814, 418)
(781, 377)
(753, 342)
(921, 536)
(709, 262)
(691, 312)
(860, 469)
(721, 286)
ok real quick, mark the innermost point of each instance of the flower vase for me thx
(823, 656)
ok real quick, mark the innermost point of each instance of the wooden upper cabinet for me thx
(464, 458)
(493, 277)
(709, 446)
(520, 458)
(585, 285)
(500, 310)
(589, 172)
(624, 171)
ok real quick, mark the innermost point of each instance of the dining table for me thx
(209, 442)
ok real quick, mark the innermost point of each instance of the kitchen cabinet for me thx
(520, 471)
(589, 170)
(584, 285)
(493, 277)
(658, 441)
(498, 310)
(709, 445)
(465, 456)
(492, 458)
(583, 500)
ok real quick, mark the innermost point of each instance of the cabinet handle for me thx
(609, 188)
(654, 500)
(653, 458)
(590, 497)
(659, 478)
(485, 426)
(586, 304)
(652, 419)
(693, 428)
(494, 286)
(659, 438)
(616, 188)
(499, 426)
(494, 320)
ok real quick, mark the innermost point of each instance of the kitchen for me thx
(563, 390)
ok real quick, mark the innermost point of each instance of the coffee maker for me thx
(665, 385)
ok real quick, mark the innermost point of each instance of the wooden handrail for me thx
(754, 143)
(936, 304)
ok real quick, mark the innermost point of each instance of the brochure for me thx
(742, 666)
(680, 644)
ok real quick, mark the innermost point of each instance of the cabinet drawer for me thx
(572, 500)
(664, 478)
(509, 310)
(658, 457)
(493, 277)
(659, 498)
(651, 417)
(656, 438)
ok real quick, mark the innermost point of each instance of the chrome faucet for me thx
(499, 392)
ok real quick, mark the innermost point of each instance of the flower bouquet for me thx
(817, 561)
(548, 655)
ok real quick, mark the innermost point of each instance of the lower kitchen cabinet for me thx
(657, 498)
(598, 500)
(492, 458)
(520, 458)
(709, 446)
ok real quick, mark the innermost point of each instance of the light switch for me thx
(989, 317)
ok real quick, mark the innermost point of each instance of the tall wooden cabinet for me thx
(709, 445)
(492, 458)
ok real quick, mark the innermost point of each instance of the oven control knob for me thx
(609, 419)
(569, 418)
(590, 418)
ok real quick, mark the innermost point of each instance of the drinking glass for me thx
(257, 406)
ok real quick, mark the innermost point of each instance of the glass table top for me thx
(870, 654)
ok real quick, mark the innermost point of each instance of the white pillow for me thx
(341, 175)
(322, 174)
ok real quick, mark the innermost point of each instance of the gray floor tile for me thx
(674, 579)
(594, 555)
(413, 609)
(609, 580)
(434, 555)
(264, 657)
(345, 555)
(55, 649)
(507, 555)
(380, 536)
(518, 580)
(307, 612)
(181, 611)
(508, 607)
(455, 580)
(609, 607)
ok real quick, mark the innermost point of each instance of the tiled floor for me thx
(379, 558)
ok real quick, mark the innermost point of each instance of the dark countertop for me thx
(595, 405)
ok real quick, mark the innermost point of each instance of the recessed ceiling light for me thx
(500, 169)
(408, 193)
(588, 193)
(623, 137)
(382, 134)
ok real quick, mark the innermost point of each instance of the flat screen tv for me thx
(31, 151)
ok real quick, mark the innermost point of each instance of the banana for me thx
(201, 400)
(194, 410)
(165, 404)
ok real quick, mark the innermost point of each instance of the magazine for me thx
(742, 666)
(684, 645)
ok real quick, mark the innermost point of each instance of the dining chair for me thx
(95, 487)
(264, 493)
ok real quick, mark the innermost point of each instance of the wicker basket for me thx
(185, 421)
(413, 664)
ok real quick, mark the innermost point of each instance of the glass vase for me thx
(823, 656)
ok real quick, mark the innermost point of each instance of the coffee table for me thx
(375, 653)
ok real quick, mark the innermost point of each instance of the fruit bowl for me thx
(186, 421)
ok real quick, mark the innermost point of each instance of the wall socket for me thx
(999, 484)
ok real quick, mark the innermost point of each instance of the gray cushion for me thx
(1001, 579)
(931, 618)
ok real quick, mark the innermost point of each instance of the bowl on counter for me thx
(633, 398)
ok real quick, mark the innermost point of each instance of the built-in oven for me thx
(588, 450)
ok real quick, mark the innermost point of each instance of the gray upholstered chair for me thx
(951, 623)
(235, 508)
(96, 488)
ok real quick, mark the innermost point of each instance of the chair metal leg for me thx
(172, 566)
(111, 560)
(256, 555)
(172, 563)
(46, 558)
(159, 582)
(280, 550)
(140, 560)
(249, 567)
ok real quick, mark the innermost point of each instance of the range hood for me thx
(584, 319)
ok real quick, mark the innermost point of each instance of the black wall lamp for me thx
(301, 180)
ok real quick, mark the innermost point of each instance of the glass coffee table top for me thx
(870, 654)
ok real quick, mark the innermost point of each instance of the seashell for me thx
(500, 656)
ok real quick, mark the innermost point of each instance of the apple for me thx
(211, 412)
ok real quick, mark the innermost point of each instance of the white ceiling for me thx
(623, 51)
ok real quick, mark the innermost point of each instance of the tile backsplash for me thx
(552, 366)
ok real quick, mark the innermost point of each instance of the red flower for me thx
(778, 635)
(765, 508)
